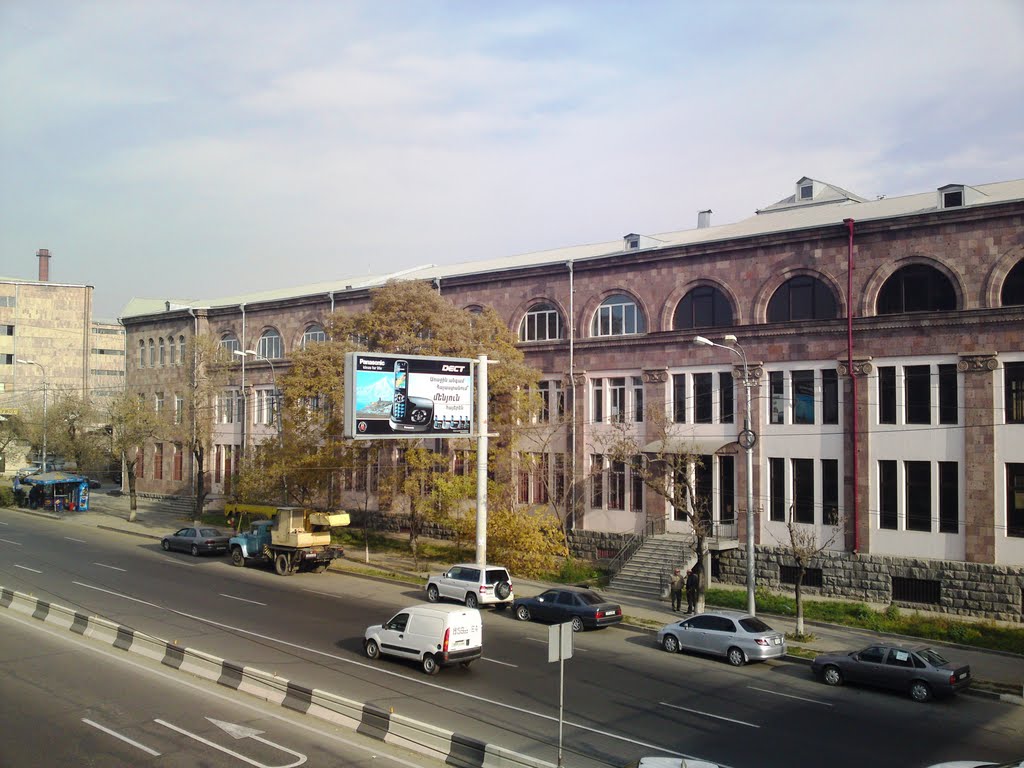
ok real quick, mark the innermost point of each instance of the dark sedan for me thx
(921, 672)
(196, 540)
(583, 607)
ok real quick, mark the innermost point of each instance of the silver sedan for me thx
(196, 540)
(739, 637)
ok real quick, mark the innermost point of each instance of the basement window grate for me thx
(789, 573)
(910, 590)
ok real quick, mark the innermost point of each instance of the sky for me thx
(192, 150)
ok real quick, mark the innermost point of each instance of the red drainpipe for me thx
(849, 368)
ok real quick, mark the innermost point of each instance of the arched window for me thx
(152, 354)
(541, 323)
(142, 353)
(163, 352)
(230, 342)
(270, 345)
(181, 350)
(313, 335)
(172, 349)
(703, 307)
(618, 315)
(802, 298)
(916, 288)
(1013, 288)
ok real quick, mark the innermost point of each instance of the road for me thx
(623, 697)
(68, 701)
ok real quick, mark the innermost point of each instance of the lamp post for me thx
(277, 407)
(747, 438)
(33, 362)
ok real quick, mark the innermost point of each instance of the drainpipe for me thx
(245, 402)
(572, 383)
(195, 358)
(330, 295)
(437, 285)
(849, 368)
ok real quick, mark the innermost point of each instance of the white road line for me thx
(26, 568)
(3, 523)
(495, 661)
(8, 541)
(789, 696)
(125, 739)
(242, 599)
(708, 714)
(111, 567)
(80, 541)
(575, 647)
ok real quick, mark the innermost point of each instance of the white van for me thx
(434, 635)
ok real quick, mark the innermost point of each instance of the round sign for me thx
(361, 426)
(747, 439)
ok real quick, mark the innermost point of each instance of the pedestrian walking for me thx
(678, 583)
(692, 587)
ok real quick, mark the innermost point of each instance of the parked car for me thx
(739, 637)
(196, 540)
(473, 585)
(583, 607)
(921, 672)
(671, 762)
(435, 636)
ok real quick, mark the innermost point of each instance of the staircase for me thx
(648, 572)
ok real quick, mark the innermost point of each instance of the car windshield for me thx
(209, 532)
(933, 658)
(591, 598)
(755, 625)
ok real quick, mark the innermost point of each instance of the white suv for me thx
(473, 585)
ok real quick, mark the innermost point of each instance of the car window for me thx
(210, 532)
(182, 532)
(549, 596)
(454, 573)
(470, 574)
(933, 658)
(700, 622)
(399, 622)
(567, 598)
(874, 654)
(190, 533)
(722, 624)
(899, 658)
(755, 625)
(496, 575)
(591, 598)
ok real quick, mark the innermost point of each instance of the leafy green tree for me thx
(133, 422)
(75, 431)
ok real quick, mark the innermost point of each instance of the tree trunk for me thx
(799, 603)
(133, 503)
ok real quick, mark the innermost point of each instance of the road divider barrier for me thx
(453, 749)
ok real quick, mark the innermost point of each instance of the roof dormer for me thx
(634, 242)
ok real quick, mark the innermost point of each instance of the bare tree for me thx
(133, 422)
(804, 547)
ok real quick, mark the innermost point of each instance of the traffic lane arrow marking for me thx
(238, 732)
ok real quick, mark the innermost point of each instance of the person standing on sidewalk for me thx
(676, 589)
(692, 587)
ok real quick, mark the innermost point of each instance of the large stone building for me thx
(884, 341)
(51, 324)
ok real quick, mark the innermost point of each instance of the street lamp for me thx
(33, 362)
(747, 438)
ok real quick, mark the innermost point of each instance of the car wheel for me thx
(832, 675)
(194, 551)
(920, 691)
(502, 589)
(432, 594)
(166, 545)
(523, 613)
(736, 657)
(430, 665)
(237, 558)
(577, 624)
(372, 649)
(471, 600)
(281, 565)
(670, 643)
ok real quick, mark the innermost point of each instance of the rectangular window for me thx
(559, 478)
(909, 590)
(617, 485)
(540, 479)
(1013, 378)
(177, 461)
(702, 398)
(597, 481)
(830, 491)
(917, 382)
(523, 494)
(158, 461)
(703, 489)
(1015, 499)
(544, 406)
(217, 459)
(727, 489)
(598, 403)
(803, 490)
(803, 397)
(179, 408)
(949, 497)
(679, 398)
(636, 491)
(886, 395)
(947, 395)
(829, 397)
(140, 462)
(776, 386)
(680, 493)
(158, 403)
(777, 480)
(918, 495)
(638, 399)
(888, 495)
(617, 400)
(726, 398)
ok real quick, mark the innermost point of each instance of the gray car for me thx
(196, 540)
(739, 637)
(921, 672)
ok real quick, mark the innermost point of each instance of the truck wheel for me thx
(430, 665)
(282, 565)
(237, 558)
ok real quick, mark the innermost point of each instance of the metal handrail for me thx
(633, 543)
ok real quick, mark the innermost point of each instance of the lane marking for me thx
(26, 568)
(245, 733)
(111, 567)
(125, 739)
(8, 541)
(790, 696)
(3, 523)
(708, 714)
(242, 599)
(80, 541)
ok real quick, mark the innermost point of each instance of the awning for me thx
(52, 478)
(694, 447)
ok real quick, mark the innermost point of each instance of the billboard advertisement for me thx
(396, 396)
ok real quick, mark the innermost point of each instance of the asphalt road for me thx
(623, 697)
(67, 701)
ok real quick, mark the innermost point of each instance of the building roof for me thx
(830, 205)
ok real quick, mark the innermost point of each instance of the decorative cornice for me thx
(655, 376)
(983, 362)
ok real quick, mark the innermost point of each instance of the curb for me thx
(454, 749)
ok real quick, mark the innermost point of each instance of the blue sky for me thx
(203, 149)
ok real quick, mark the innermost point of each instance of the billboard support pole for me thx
(481, 461)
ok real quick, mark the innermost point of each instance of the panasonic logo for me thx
(453, 368)
(371, 362)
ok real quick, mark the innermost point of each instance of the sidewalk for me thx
(996, 674)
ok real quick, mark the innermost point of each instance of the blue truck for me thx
(294, 540)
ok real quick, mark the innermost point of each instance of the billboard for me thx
(396, 396)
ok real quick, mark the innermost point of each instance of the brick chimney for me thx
(44, 264)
